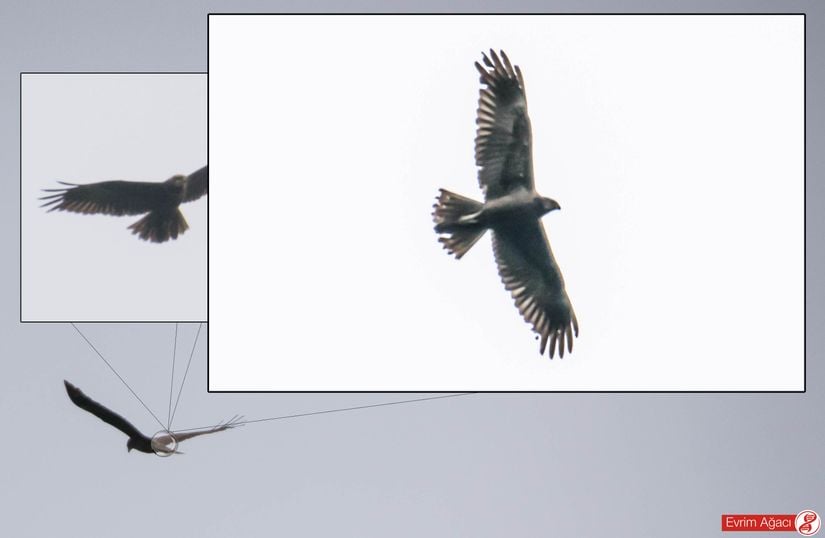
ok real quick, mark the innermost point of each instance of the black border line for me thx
(804, 211)
(20, 197)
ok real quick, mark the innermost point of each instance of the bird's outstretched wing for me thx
(108, 197)
(231, 423)
(530, 274)
(503, 137)
(103, 413)
(197, 184)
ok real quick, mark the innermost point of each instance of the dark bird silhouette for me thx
(512, 208)
(164, 220)
(158, 444)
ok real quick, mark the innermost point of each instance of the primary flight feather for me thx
(512, 208)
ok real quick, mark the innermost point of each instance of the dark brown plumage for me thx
(137, 440)
(160, 201)
(512, 208)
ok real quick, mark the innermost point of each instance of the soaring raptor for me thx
(512, 208)
(162, 444)
(164, 220)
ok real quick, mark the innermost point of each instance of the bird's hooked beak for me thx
(549, 204)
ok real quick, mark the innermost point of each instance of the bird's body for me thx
(164, 443)
(516, 206)
(160, 201)
(512, 208)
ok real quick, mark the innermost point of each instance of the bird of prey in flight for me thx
(512, 208)
(164, 220)
(163, 444)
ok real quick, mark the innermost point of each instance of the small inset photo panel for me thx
(113, 197)
(507, 203)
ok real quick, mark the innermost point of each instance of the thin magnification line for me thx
(172, 380)
(118, 375)
(191, 354)
(338, 410)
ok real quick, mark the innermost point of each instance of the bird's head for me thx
(178, 182)
(545, 205)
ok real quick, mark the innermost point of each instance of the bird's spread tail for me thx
(160, 226)
(453, 217)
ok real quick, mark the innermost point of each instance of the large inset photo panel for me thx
(113, 202)
(507, 203)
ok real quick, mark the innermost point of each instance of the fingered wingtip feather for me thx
(507, 64)
(498, 66)
(561, 343)
(235, 421)
(486, 77)
(543, 344)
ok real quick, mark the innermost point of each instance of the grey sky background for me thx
(664, 160)
(482, 465)
(85, 128)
